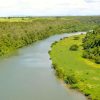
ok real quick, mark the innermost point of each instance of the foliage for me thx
(76, 38)
(97, 59)
(74, 47)
(91, 45)
(60, 72)
(80, 73)
(18, 32)
(71, 79)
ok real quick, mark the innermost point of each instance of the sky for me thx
(49, 7)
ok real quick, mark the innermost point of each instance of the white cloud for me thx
(49, 7)
(92, 1)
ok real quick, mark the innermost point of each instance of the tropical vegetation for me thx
(18, 32)
(91, 45)
(78, 72)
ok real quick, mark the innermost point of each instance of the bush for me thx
(87, 92)
(85, 54)
(88, 55)
(74, 86)
(53, 43)
(74, 47)
(49, 51)
(71, 79)
(76, 38)
(97, 59)
(54, 66)
(60, 72)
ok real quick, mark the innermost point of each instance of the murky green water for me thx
(28, 75)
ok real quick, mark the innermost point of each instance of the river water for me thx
(28, 75)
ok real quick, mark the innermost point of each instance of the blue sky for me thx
(49, 7)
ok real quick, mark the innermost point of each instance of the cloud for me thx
(92, 1)
(49, 7)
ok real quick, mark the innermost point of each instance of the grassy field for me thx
(81, 73)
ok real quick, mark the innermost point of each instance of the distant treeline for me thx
(91, 44)
(18, 32)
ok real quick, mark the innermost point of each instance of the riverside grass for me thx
(84, 74)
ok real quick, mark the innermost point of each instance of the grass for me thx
(85, 72)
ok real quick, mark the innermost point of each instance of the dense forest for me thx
(91, 45)
(18, 32)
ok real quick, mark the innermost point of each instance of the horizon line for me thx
(44, 16)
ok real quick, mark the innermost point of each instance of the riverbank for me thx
(76, 71)
(19, 32)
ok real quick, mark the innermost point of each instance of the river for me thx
(28, 75)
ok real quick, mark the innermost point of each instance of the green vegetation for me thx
(76, 38)
(78, 72)
(91, 45)
(18, 32)
(74, 47)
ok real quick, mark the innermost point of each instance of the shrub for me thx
(97, 59)
(54, 66)
(53, 43)
(71, 79)
(85, 54)
(74, 47)
(88, 55)
(76, 38)
(91, 56)
(74, 86)
(87, 92)
(49, 51)
(60, 72)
